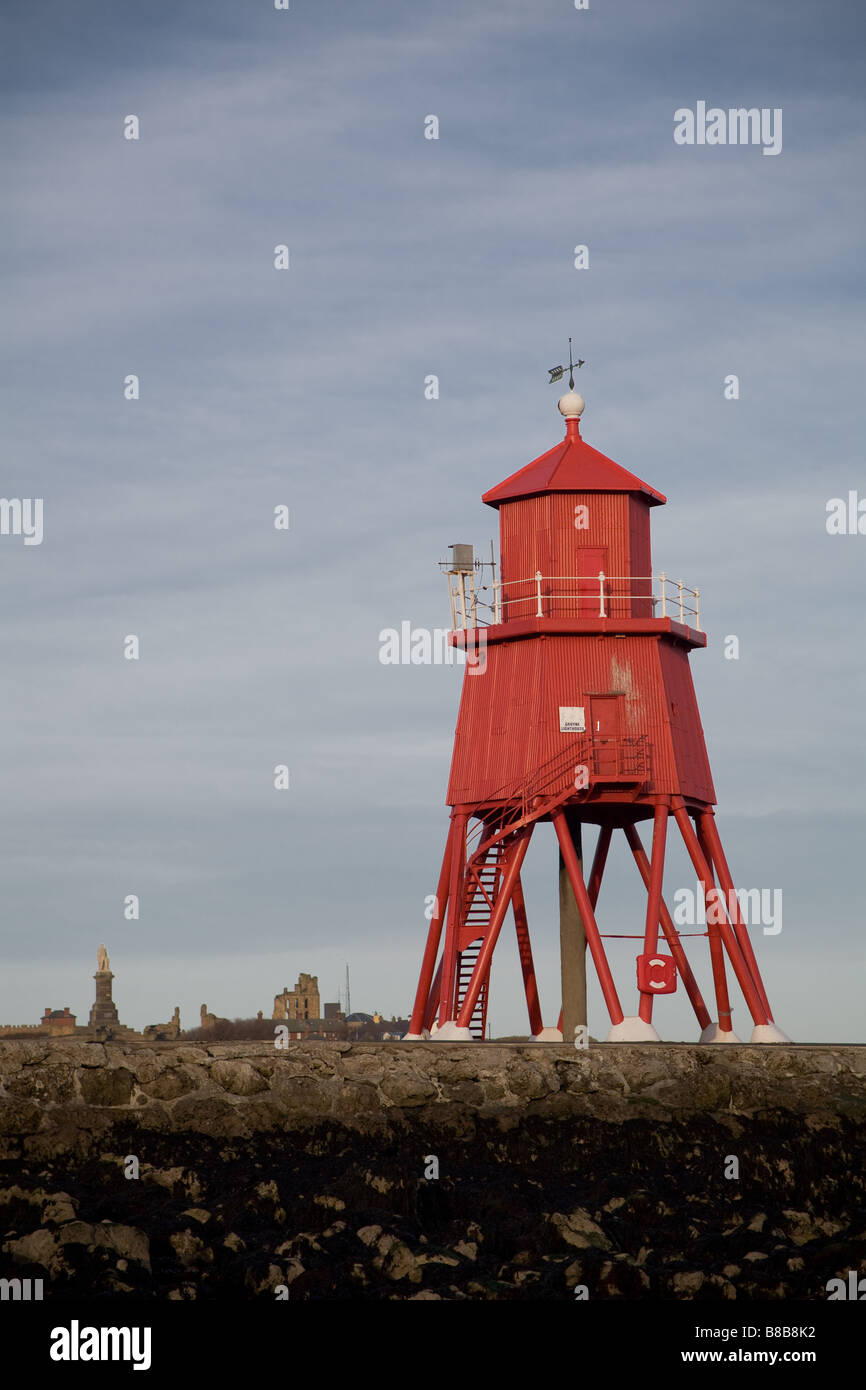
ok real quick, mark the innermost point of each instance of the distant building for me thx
(164, 1032)
(304, 1001)
(209, 1020)
(374, 1028)
(55, 1023)
(58, 1022)
(103, 1024)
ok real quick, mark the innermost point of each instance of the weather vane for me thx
(557, 373)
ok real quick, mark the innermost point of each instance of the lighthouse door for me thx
(590, 562)
(604, 712)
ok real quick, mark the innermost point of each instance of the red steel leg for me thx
(737, 959)
(707, 823)
(432, 948)
(599, 859)
(671, 934)
(654, 898)
(455, 911)
(530, 984)
(717, 955)
(435, 996)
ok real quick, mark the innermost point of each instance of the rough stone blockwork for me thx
(306, 1169)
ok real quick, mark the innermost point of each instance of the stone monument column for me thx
(104, 1011)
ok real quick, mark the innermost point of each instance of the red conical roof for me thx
(571, 466)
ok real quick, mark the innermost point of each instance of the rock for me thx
(162, 1177)
(190, 1249)
(210, 1115)
(573, 1274)
(126, 1241)
(238, 1078)
(686, 1284)
(529, 1080)
(548, 1151)
(18, 1116)
(579, 1229)
(39, 1248)
(400, 1263)
(13, 1196)
(802, 1228)
(291, 1271)
(106, 1086)
(365, 1067)
(174, 1082)
(60, 1208)
(46, 1085)
(620, 1278)
(264, 1283)
(197, 1214)
(407, 1088)
(369, 1234)
(467, 1248)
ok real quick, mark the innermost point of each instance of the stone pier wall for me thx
(409, 1170)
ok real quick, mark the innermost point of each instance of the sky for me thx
(409, 257)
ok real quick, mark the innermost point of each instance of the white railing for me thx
(571, 595)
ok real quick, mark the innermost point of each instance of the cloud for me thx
(408, 257)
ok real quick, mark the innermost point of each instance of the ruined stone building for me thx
(304, 1001)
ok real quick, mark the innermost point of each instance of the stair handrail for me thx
(541, 780)
(525, 793)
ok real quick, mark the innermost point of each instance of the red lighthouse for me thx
(578, 708)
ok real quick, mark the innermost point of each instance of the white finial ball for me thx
(571, 405)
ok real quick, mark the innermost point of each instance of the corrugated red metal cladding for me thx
(509, 721)
(509, 725)
(538, 534)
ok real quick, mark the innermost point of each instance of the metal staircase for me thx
(495, 838)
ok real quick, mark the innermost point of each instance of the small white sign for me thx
(572, 719)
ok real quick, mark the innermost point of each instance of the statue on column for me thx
(102, 962)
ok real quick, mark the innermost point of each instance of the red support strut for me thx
(432, 948)
(654, 897)
(707, 823)
(672, 936)
(530, 985)
(732, 946)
